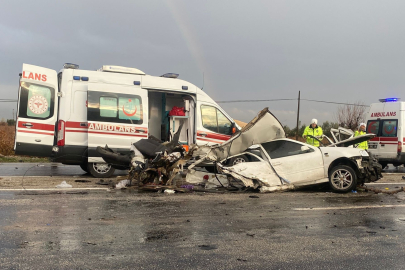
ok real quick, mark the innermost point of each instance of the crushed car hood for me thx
(263, 128)
(353, 140)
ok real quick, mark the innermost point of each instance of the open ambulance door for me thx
(36, 112)
(117, 116)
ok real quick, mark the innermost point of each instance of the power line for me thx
(254, 100)
(331, 102)
(258, 100)
(282, 99)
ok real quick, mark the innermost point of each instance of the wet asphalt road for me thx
(44, 169)
(129, 230)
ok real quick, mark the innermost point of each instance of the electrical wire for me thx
(289, 99)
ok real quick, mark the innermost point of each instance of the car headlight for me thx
(363, 153)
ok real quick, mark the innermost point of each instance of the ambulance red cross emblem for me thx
(129, 106)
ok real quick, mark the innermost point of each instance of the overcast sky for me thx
(343, 51)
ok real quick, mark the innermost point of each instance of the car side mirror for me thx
(305, 148)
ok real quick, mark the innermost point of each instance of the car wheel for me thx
(84, 167)
(342, 179)
(236, 160)
(101, 170)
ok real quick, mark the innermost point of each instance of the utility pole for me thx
(298, 115)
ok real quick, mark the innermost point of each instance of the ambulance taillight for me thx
(399, 149)
(61, 133)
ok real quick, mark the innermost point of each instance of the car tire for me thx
(236, 160)
(84, 167)
(100, 170)
(342, 179)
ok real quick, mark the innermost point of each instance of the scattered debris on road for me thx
(64, 185)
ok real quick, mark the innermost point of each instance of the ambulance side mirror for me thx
(233, 128)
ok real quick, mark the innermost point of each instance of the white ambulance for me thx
(386, 120)
(65, 115)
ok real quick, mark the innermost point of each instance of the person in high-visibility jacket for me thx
(361, 131)
(314, 130)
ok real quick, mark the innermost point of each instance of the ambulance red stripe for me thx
(203, 139)
(384, 139)
(214, 136)
(37, 126)
(119, 134)
(82, 125)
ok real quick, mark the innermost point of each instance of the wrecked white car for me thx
(286, 164)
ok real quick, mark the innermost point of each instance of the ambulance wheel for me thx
(342, 179)
(383, 165)
(100, 170)
(84, 167)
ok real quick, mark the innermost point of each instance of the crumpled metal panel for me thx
(263, 128)
(253, 174)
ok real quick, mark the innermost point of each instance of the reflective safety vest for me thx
(317, 131)
(362, 145)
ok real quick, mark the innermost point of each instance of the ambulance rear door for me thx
(117, 116)
(37, 111)
(385, 145)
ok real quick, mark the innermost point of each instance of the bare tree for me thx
(350, 116)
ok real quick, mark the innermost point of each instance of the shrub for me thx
(7, 140)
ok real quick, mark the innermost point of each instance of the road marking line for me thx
(348, 207)
(384, 184)
(49, 189)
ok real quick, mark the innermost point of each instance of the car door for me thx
(295, 161)
(117, 116)
(213, 127)
(37, 111)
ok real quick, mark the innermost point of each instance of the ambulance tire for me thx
(342, 179)
(100, 170)
(84, 167)
(383, 165)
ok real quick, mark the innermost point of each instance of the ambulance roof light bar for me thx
(70, 66)
(389, 99)
(170, 75)
(120, 69)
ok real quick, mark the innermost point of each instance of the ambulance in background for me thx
(65, 115)
(386, 120)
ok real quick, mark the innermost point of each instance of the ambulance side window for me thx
(114, 107)
(373, 126)
(389, 128)
(36, 101)
(215, 120)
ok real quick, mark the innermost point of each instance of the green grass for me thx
(14, 159)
